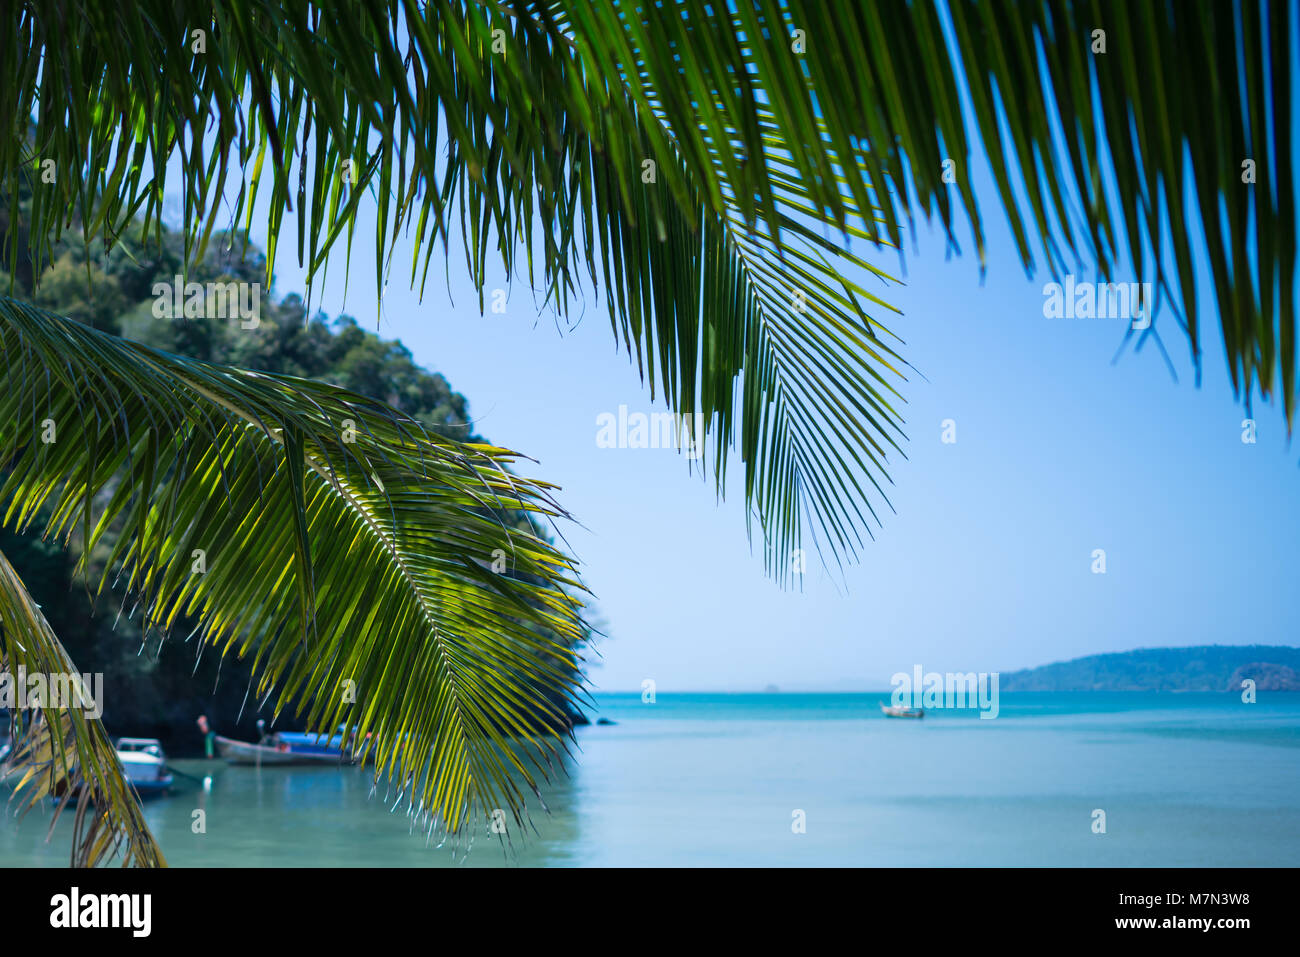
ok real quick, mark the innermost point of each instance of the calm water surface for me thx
(1189, 779)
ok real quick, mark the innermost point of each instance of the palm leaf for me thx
(323, 534)
(63, 753)
(528, 124)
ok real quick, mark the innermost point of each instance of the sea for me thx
(1129, 779)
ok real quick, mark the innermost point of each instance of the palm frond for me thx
(324, 534)
(61, 751)
(779, 131)
(1116, 129)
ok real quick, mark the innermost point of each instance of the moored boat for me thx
(899, 711)
(313, 745)
(144, 765)
(285, 747)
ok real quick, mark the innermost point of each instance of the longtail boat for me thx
(285, 747)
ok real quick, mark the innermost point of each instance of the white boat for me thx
(144, 764)
(898, 711)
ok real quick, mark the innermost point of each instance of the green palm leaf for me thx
(333, 540)
(63, 752)
(779, 129)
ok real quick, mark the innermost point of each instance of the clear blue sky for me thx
(987, 564)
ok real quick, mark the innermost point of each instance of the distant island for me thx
(1199, 668)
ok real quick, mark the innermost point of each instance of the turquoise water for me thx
(700, 780)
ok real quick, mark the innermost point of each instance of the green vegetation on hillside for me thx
(1200, 668)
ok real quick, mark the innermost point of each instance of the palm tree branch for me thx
(61, 751)
(364, 568)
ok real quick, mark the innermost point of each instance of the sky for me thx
(987, 564)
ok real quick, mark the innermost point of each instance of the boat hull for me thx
(153, 788)
(242, 752)
(143, 767)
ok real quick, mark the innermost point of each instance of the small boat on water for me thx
(286, 747)
(899, 711)
(144, 764)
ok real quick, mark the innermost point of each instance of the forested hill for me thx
(1200, 668)
(156, 690)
